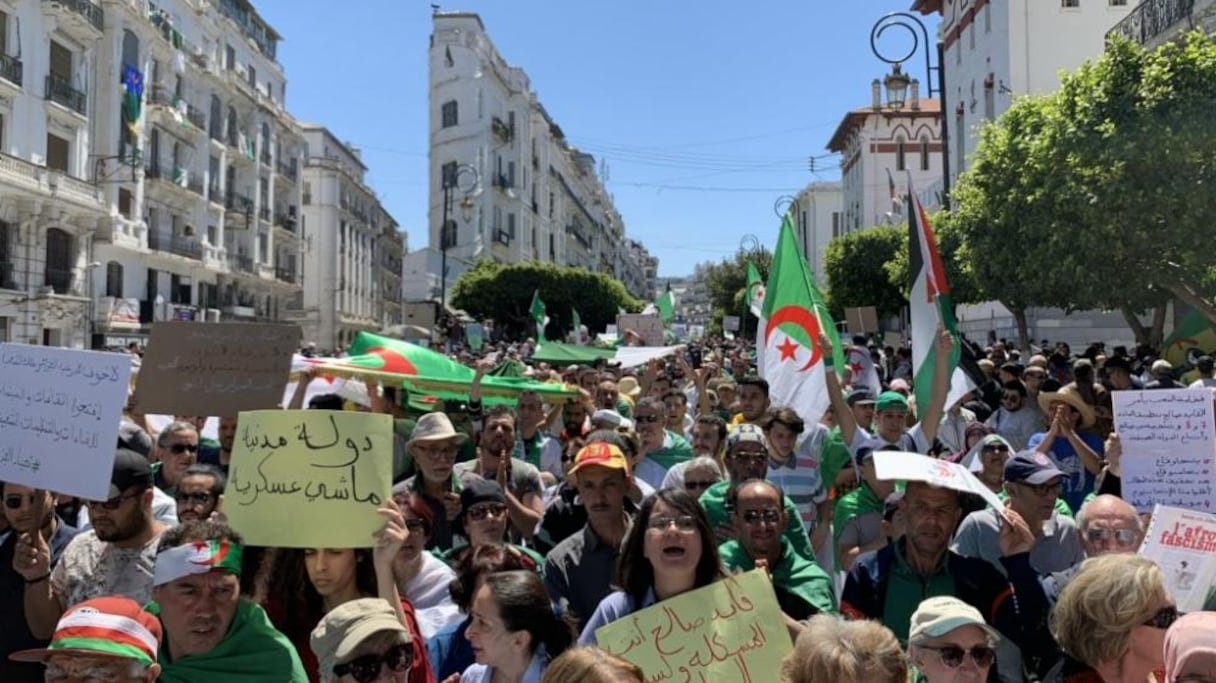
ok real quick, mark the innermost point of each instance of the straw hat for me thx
(1071, 397)
(433, 427)
(628, 386)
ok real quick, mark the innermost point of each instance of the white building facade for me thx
(539, 198)
(819, 218)
(1152, 23)
(354, 254)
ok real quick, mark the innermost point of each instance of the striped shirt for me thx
(800, 477)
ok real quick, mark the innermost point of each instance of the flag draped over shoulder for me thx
(787, 338)
(755, 290)
(929, 305)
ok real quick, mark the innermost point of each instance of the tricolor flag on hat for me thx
(102, 627)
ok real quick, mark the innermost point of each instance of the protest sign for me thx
(899, 466)
(648, 326)
(59, 415)
(475, 335)
(1183, 544)
(1169, 450)
(215, 368)
(309, 478)
(731, 630)
(862, 319)
(730, 323)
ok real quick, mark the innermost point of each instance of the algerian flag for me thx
(755, 290)
(862, 370)
(537, 311)
(787, 338)
(578, 326)
(930, 307)
(665, 305)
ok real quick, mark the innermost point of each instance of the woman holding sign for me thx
(670, 550)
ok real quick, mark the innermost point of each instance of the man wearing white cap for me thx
(949, 642)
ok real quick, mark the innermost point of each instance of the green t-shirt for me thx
(794, 574)
(860, 501)
(714, 502)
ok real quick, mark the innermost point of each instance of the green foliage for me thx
(963, 288)
(856, 265)
(504, 293)
(727, 284)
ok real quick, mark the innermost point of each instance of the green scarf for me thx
(531, 449)
(860, 501)
(794, 574)
(676, 453)
(252, 652)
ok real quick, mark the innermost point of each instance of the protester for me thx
(949, 642)
(833, 651)
(698, 475)
(795, 454)
(708, 438)
(103, 639)
(520, 481)
(1107, 525)
(803, 589)
(1016, 420)
(566, 515)
(514, 631)
(535, 447)
(753, 400)
(1111, 621)
(857, 522)
(114, 558)
(483, 516)
(422, 578)
(27, 512)
(1189, 653)
(661, 449)
(176, 450)
(199, 492)
(211, 633)
(363, 641)
(433, 445)
(227, 439)
(1076, 453)
(579, 570)
(591, 665)
(670, 549)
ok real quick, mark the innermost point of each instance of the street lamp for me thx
(897, 82)
(467, 180)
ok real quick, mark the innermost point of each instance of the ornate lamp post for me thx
(466, 180)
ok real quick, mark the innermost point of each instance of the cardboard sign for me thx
(59, 415)
(310, 478)
(1169, 449)
(648, 326)
(1183, 544)
(900, 466)
(862, 319)
(730, 323)
(731, 630)
(215, 369)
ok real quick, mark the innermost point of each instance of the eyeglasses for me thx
(995, 449)
(750, 456)
(1164, 617)
(114, 503)
(179, 448)
(1044, 489)
(437, 452)
(768, 516)
(365, 669)
(194, 498)
(645, 419)
(683, 523)
(414, 524)
(952, 655)
(690, 485)
(13, 502)
(480, 512)
(1123, 537)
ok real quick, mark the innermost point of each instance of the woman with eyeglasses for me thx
(306, 584)
(362, 641)
(670, 550)
(515, 631)
(483, 515)
(1111, 621)
(949, 642)
(421, 577)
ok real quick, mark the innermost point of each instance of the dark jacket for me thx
(1016, 606)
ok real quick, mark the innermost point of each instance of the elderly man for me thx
(104, 639)
(662, 449)
(211, 633)
(199, 492)
(708, 436)
(433, 445)
(1107, 525)
(520, 481)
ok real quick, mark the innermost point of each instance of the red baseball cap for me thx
(599, 454)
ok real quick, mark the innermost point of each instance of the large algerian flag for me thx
(537, 311)
(755, 290)
(787, 338)
(930, 307)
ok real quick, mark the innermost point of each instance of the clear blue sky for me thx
(706, 111)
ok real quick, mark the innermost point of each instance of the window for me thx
(307, 193)
(988, 18)
(449, 114)
(900, 154)
(6, 264)
(447, 57)
(3, 33)
(114, 279)
(836, 224)
(58, 261)
(57, 152)
(229, 57)
(124, 202)
(61, 62)
(959, 149)
(447, 176)
(971, 33)
(1118, 3)
(924, 152)
(253, 77)
(216, 119)
(511, 225)
(989, 102)
(1070, 3)
(511, 174)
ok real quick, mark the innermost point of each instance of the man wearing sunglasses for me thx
(176, 450)
(1108, 525)
(949, 642)
(1015, 420)
(362, 641)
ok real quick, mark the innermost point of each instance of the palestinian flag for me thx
(930, 306)
(755, 290)
(787, 337)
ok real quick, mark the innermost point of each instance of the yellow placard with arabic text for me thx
(309, 478)
(732, 630)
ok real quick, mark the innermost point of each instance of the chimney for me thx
(876, 89)
(915, 99)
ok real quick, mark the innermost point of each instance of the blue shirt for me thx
(480, 673)
(618, 604)
(1078, 481)
(450, 651)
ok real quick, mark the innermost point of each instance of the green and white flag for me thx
(537, 311)
(755, 290)
(666, 305)
(578, 326)
(787, 337)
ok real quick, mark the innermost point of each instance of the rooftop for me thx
(857, 117)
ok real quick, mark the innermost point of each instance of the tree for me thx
(963, 287)
(727, 284)
(856, 266)
(504, 293)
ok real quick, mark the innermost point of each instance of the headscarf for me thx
(1190, 646)
(972, 460)
(972, 429)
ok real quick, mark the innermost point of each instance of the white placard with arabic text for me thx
(1169, 449)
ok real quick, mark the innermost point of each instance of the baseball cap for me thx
(1204, 363)
(479, 490)
(599, 454)
(346, 626)
(1031, 467)
(939, 616)
(745, 433)
(102, 627)
(610, 417)
(130, 469)
(1162, 366)
(892, 400)
(861, 395)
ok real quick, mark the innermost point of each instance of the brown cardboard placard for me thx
(648, 326)
(214, 369)
(862, 320)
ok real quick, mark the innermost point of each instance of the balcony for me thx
(58, 279)
(60, 91)
(179, 245)
(264, 213)
(238, 203)
(11, 70)
(7, 270)
(240, 263)
(82, 19)
(287, 275)
(501, 130)
(1150, 23)
(285, 221)
(22, 173)
(179, 178)
(287, 171)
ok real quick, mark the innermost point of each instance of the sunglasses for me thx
(698, 485)
(750, 456)
(114, 503)
(683, 523)
(1123, 537)
(952, 655)
(365, 669)
(480, 512)
(13, 502)
(646, 419)
(769, 516)
(179, 448)
(1164, 617)
(194, 498)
